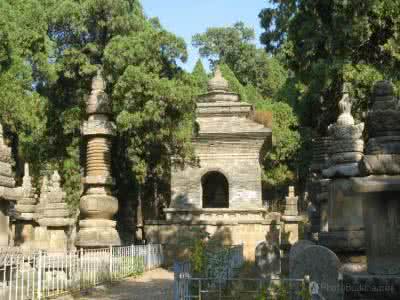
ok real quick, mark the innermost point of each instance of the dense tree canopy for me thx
(235, 47)
(50, 50)
(327, 43)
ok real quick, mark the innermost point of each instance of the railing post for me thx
(39, 285)
(148, 256)
(81, 272)
(111, 263)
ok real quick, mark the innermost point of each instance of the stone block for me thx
(321, 264)
(381, 164)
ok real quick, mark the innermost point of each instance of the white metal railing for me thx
(41, 274)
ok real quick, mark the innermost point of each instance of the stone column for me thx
(97, 205)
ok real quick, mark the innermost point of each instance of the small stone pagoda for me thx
(97, 205)
(222, 193)
(344, 232)
(25, 209)
(228, 145)
(54, 215)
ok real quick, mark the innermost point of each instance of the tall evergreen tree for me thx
(327, 43)
(200, 76)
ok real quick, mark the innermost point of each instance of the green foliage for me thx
(327, 43)
(200, 77)
(281, 159)
(235, 47)
(49, 52)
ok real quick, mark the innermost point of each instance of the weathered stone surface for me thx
(383, 122)
(347, 145)
(343, 241)
(344, 132)
(7, 181)
(98, 206)
(25, 208)
(342, 170)
(381, 164)
(346, 157)
(297, 248)
(322, 265)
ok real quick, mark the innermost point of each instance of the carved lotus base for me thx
(98, 206)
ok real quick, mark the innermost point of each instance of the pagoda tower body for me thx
(97, 205)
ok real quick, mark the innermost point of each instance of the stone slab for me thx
(322, 265)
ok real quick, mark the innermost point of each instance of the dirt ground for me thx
(153, 285)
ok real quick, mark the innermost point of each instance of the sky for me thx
(185, 18)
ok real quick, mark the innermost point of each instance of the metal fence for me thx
(40, 274)
(240, 289)
(221, 268)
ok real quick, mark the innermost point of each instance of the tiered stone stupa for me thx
(382, 187)
(97, 205)
(55, 215)
(345, 234)
(7, 184)
(25, 208)
(380, 192)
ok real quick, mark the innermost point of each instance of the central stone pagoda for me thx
(228, 145)
(97, 205)
(222, 193)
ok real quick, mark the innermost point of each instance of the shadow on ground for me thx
(153, 285)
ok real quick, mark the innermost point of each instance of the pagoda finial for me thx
(218, 82)
(345, 118)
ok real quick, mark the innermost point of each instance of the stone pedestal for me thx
(345, 218)
(97, 205)
(381, 207)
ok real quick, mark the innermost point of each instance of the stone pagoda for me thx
(228, 145)
(345, 226)
(7, 190)
(97, 205)
(25, 209)
(54, 215)
(222, 193)
(380, 191)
